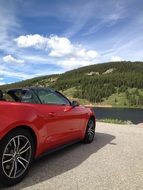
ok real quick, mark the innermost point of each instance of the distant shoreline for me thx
(110, 106)
(98, 105)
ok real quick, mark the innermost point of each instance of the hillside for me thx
(117, 84)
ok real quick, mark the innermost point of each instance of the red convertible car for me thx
(34, 121)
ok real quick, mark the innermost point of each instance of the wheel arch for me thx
(92, 117)
(28, 128)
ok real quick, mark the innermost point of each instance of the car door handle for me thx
(51, 114)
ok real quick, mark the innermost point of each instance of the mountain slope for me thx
(116, 83)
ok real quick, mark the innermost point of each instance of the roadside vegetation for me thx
(115, 121)
(118, 84)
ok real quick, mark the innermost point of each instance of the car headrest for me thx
(1, 94)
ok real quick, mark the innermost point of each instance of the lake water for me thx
(133, 115)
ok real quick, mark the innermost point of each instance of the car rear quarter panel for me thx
(14, 115)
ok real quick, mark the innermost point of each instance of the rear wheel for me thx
(16, 155)
(90, 131)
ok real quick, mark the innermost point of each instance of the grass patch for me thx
(70, 92)
(120, 99)
(114, 121)
(117, 100)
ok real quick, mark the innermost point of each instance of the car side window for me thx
(27, 97)
(47, 96)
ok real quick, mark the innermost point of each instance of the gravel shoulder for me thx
(113, 161)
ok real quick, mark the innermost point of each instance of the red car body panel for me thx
(53, 125)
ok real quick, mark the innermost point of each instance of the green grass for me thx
(69, 92)
(120, 100)
(114, 121)
(116, 100)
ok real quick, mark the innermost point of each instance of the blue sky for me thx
(53, 36)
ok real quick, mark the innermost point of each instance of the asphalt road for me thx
(113, 161)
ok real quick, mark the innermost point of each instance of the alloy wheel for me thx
(91, 129)
(16, 156)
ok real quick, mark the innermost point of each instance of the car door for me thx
(62, 120)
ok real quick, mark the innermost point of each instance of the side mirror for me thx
(74, 103)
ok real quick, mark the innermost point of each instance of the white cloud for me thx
(11, 72)
(2, 83)
(11, 59)
(56, 46)
(23, 73)
(73, 63)
(116, 58)
(60, 46)
(37, 41)
(35, 58)
(9, 24)
(60, 51)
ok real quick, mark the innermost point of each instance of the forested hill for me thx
(116, 83)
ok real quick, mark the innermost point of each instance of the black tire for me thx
(16, 156)
(90, 131)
